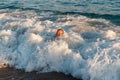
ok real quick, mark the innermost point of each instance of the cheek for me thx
(61, 33)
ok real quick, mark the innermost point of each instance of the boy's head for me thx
(59, 32)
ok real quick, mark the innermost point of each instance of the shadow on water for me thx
(115, 19)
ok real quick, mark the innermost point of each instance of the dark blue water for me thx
(85, 6)
(108, 9)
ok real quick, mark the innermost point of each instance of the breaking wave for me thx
(89, 49)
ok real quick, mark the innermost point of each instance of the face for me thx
(59, 32)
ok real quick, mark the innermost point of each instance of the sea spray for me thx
(91, 52)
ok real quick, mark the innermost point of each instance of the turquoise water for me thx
(84, 6)
(108, 9)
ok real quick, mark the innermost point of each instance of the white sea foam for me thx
(111, 35)
(89, 49)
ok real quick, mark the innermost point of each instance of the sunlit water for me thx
(89, 49)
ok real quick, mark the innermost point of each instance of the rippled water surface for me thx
(84, 6)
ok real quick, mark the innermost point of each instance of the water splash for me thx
(89, 49)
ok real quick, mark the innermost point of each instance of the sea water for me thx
(89, 48)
